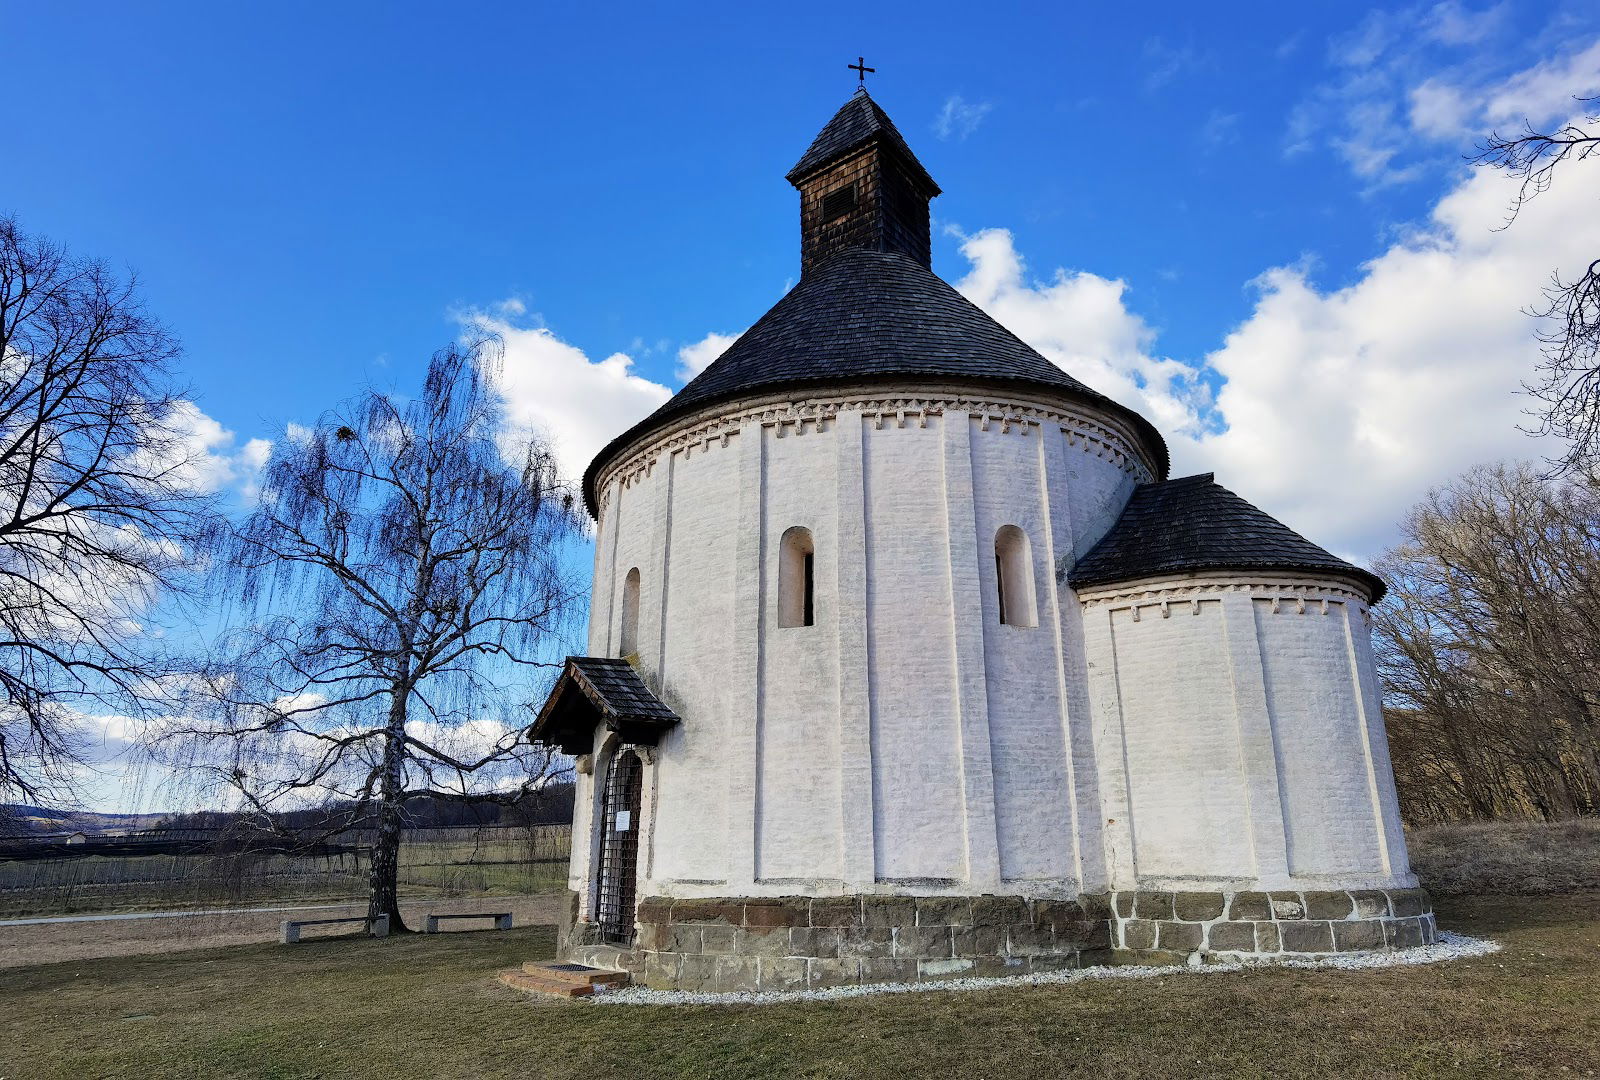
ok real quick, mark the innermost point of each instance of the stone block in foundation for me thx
(1307, 936)
(762, 941)
(993, 967)
(1268, 940)
(1250, 907)
(841, 911)
(1231, 937)
(1357, 935)
(1178, 936)
(686, 939)
(999, 911)
(826, 973)
(959, 967)
(1152, 905)
(923, 942)
(785, 912)
(1403, 933)
(1025, 939)
(716, 938)
(864, 942)
(784, 973)
(1407, 903)
(815, 941)
(1139, 934)
(738, 973)
(697, 972)
(888, 911)
(1122, 903)
(1328, 905)
(1287, 906)
(1370, 903)
(883, 969)
(1198, 906)
(944, 911)
(701, 911)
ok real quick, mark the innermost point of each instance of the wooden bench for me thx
(378, 927)
(502, 920)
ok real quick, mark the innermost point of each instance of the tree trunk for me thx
(384, 890)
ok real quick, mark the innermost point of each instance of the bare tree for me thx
(1489, 648)
(98, 509)
(1568, 383)
(403, 582)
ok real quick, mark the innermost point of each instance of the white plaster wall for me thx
(798, 811)
(695, 609)
(1237, 736)
(906, 740)
(1033, 807)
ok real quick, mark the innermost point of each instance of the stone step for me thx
(574, 974)
(532, 984)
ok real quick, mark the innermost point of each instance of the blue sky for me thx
(1253, 222)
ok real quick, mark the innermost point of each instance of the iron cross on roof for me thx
(860, 68)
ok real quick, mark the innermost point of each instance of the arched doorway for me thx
(619, 847)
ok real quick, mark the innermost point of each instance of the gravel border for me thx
(1448, 947)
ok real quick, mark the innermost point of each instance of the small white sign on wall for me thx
(624, 820)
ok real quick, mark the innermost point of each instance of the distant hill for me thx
(20, 819)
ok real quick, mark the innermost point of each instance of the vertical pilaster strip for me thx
(744, 691)
(660, 580)
(1379, 774)
(602, 619)
(968, 670)
(1057, 521)
(1110, 746)
(1258, 754)
(856, 856)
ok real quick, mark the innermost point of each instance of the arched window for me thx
(796, 579)
(1013, 566)
(630, 613)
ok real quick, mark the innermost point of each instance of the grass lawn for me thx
(428, 1006)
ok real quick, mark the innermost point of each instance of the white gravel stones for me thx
(1448, 947)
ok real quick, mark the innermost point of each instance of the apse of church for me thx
(907, 659)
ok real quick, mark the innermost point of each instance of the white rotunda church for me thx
(907, 660)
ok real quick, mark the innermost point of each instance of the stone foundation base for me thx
(1189, 927)
(803, 943)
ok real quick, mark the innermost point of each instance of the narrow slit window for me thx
(630, 613)
(797, 604)
(1013, 565)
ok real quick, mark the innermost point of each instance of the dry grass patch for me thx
(1507, 858)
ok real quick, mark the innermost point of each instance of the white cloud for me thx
(554, 388)
(697, 356)
(210, 458)
(960, 117)
(1335, 410)
(1447, 74)
(1081, 322)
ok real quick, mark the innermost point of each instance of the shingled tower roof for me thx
(858, 122)
(1194, 524)
(868, 307)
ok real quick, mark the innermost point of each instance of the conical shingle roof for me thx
(873, 316)
(1194, 524)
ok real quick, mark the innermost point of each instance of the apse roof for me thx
(1193, 524)
(857, 123)
(866, 315)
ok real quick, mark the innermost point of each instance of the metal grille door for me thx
(619, 847)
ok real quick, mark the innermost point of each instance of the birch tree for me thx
(405, 584)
